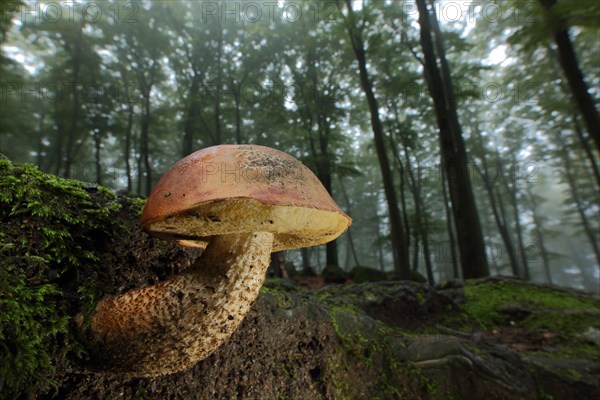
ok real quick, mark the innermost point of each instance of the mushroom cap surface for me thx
(242, 188)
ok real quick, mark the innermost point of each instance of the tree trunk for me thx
(512, 193)
(379, 246)
(406, 222)
(331, 252)
(127, 152)
(577, 84)
(237, 90)
(468, 227)
(305, 259)
(144, 137)
(585, 142)
(420, 216)
(187, 145)
(399, 242)
(40, 144)
(537, 227)
(349, 231)
(489, 188)
(588, 150)
(58, 143)
(449, 228)
(75, 99)
(97, 155)
(219, 89)
(277, 265)
(578, 202)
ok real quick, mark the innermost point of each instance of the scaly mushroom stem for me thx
(168, 327)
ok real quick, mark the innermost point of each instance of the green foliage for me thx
(293, 84)
(46, 239)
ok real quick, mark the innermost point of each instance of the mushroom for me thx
(240, 202)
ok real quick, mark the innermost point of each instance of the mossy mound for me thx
(63, 245)
(540, 319)
(367, 274)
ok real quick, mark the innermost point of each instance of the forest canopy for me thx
(462, 137)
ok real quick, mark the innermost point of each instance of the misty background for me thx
(447, 130)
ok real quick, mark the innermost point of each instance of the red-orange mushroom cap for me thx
(242, 188)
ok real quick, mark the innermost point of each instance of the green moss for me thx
(28, 318)
(50, 227)
(365, 343)
(278, 291)
(336, 371)
(484, 300)
(563, 314)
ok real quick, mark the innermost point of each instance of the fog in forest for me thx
(462, 137)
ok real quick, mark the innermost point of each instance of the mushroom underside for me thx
(293, 226)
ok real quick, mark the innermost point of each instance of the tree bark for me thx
(75, 101)
(187, 146)
(127, 152)
(40, 143)
(349, 231)
(511, 189)
(219, 85)
(489, 188)
(449, 228)
(537, 222)
(399, 242)
(97, 155)
(468, 228)
(144, 148)
(578, 202)
(577, 84)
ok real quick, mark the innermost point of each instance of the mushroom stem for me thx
(168, 327)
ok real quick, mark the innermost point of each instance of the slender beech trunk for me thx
(71, 139)
(490, 190)
(512, 190)
(399, 242)
(97, 154)
(139, 166)
(219, 85)
(584, 140)
(305, 259)
(58, 143)
(144, 138)
(589, 231)
(127, 151)
(331, 248)
(537, 228)
(405, 220)
(237, 97)
(454, 157)
(588, 150)
(189, 128)
(40, 144)
(349, 231)
(380, 246)
(577, 84)
(420, 216)
(449, 228)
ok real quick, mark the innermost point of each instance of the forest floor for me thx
(65, 244)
